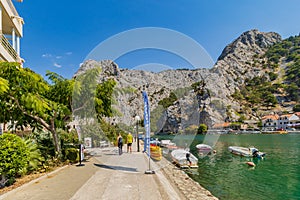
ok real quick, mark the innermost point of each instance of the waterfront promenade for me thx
(107, 175)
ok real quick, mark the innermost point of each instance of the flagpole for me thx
(147, 129)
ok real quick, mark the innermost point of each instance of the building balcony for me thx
(11, 30)
(8, 53)
(11, 18)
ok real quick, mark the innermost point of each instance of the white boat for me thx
(204, 148)
(247, 152)
(168, 144)
(180, 157)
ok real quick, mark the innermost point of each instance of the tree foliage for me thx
(104, 98)
(30, 100)
(257, 91)
(289, 51)
(166, 102)
(202, 129)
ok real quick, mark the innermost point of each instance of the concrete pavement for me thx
(106, 175)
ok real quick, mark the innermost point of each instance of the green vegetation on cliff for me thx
(281, 80)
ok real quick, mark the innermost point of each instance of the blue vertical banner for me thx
(146, 123)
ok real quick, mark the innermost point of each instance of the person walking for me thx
(120, 143)
(129, 142)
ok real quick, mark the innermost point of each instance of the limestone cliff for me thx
(207, 105)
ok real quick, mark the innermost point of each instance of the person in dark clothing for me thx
(187, 155)
(120, 144)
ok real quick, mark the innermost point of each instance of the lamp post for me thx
(137, 119)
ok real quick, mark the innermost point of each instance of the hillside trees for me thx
(257, 91)
(287, 51)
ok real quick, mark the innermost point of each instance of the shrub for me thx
(35, 158)
(72, 154)
(202, 129)
(296, 108)
(166, 102)
(192, 129)
(13, 158)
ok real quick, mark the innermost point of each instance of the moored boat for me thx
(204, 148)
(275, 132)
(180, 157)
(168, 144)
(247, 152)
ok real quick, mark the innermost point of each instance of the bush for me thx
(296, 108)
(35, 159)
(166, 102)
(202, 129)
(72, 154)
(13, 158)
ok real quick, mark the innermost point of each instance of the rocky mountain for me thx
(202, 95)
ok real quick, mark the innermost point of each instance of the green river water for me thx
(228, 176)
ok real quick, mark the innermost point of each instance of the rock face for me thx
(238, 59)
(233, 66)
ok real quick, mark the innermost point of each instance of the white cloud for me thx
(47, 55)
(58, 57)
(69, 53)
(57, 65)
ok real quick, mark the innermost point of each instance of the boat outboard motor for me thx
(254, 152)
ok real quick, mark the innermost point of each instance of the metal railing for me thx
(5, 43)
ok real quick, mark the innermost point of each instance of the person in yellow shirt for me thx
(129, 142)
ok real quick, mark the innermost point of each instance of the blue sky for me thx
(58, 35)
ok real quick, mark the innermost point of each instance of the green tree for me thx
(296, 108)
(166, 102)
(30, 100)
(92, 100)
(202, 129)
(104, 99)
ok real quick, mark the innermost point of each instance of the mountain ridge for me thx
(210, 102)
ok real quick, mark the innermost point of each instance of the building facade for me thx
(11, 31)
(270, 122)
(287, 121)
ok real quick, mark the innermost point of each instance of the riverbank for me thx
(186, 185)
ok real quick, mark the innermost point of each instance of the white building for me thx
(11, 31)
(270, 122)
(287, 121)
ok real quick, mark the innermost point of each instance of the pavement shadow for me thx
(128, 169)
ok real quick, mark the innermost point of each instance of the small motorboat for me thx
(247, 152)
(155, 143)
(204, 148)
(168, 144)
(181, 156)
